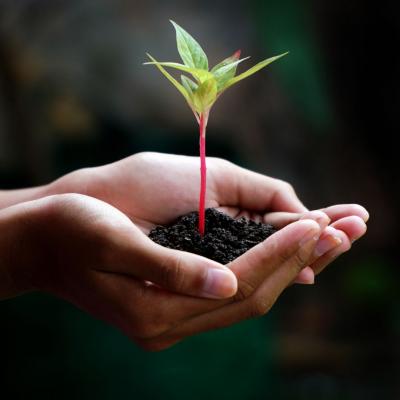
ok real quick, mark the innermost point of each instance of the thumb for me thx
(182, 272)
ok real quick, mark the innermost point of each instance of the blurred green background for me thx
(73, 93)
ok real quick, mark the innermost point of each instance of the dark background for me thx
(74, 93)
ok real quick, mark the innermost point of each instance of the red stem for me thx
(203, 172)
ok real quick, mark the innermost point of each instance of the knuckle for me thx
(148, 327)
(299, 260)
(284, 187)
(220, 161)
(144, 320)
(295, 261)
(217, 163)
(280, 183)
(283, 255)
(245, 290)
(259, 306)
(172, 275)
(58, 203)
(146, 330)
(139, 159)
(317, 215)
(270, 246)
(262, 254)
(286, 255)
(287, 186)
(142, 155)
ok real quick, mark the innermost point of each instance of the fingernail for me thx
(323, 222)
(219, 284)
(318, 216)
(326, 244)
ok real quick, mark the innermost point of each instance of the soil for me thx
(224, 240)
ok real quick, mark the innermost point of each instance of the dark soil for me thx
(224, 240)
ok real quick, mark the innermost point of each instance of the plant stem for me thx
(203, 171)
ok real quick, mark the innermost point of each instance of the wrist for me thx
(11, 197)
(15, 251)
(82, 181)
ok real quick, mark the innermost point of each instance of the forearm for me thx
(11, 197)
(80, 181)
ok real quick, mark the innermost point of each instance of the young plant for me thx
(204, 89)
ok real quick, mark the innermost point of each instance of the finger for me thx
(305, 277)
(233, 212)
(252, 268)
(256, 218)
(281, 219)
(339, 211)
(236, 213)
(253, 191)
(335, 213)
(348, 230)
(285, 199)
(244, 214)
(353, 226)
(174, 270)
(331, 240)
(335, 240)
(186, 273)
(255, 305)
(324, 260)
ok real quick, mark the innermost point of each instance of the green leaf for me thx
(228, 67)
(226, 72)
(199, 74)
(189, 85)
(234, 57)
(205, 96)
(190, 51)
(181, 89)
(253, 70)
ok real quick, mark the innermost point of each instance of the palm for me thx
(157, 188)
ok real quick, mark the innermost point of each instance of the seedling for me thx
(202, 92)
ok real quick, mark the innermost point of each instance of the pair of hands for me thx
(84, 238)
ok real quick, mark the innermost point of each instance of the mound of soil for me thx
(224, 240)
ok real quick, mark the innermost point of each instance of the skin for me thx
(83, 238)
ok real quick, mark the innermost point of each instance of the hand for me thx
(63, 244)
(89, 253)
(119, 290)
(155, 188)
